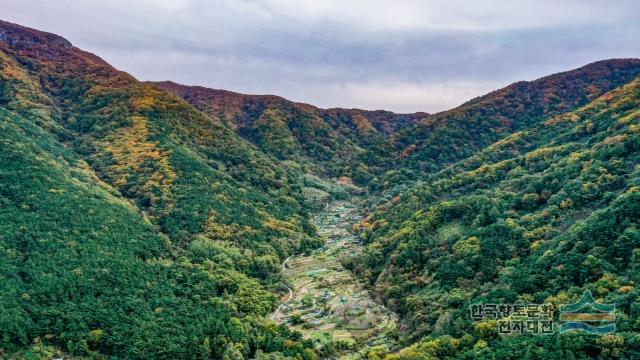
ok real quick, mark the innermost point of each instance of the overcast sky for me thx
(399, 55)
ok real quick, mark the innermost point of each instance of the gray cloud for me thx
(398, 55)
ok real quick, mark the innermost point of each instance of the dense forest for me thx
(150, 220)
(537, 217)
(133, 224)
(333, 142)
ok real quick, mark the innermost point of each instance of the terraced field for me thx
(327, 303)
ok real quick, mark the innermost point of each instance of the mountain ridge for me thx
(185, 90)
(311, 136)
(449, 136)
(82, 141)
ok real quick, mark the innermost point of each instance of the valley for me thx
(146, 220)
(327, 303)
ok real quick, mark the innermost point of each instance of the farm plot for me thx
(328, 303)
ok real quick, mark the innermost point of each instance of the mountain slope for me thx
(441, 139)
(539, 216)
(120, 195)
(331, 138)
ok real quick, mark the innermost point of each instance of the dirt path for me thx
(276, 314)
(327, 303)
(284, 263)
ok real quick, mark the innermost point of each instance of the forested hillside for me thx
(444, 138)
(329, 141)
(133, 224)
(539, 216)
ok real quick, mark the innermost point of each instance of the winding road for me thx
(276, 313)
